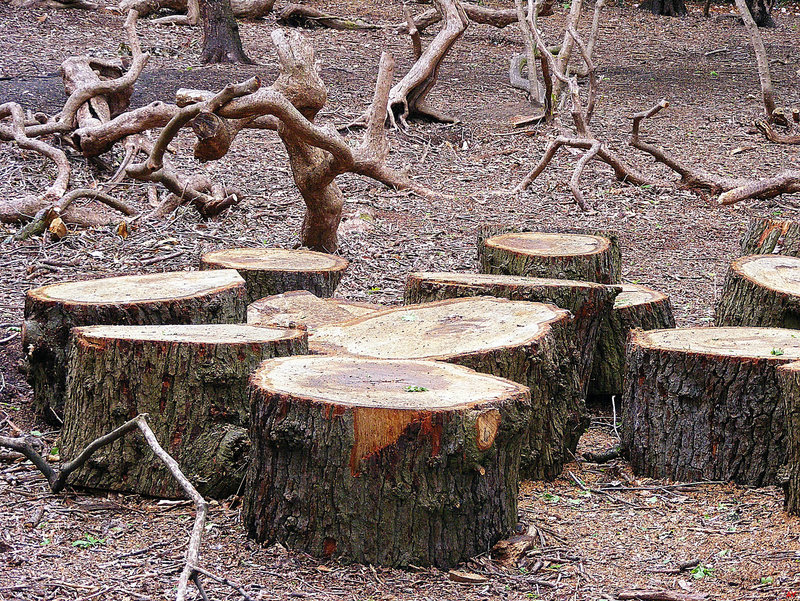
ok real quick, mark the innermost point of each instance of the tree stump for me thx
(761, 290)
(704, 403)
(636, 307)
(181, 297)
(529, 343)
(270, 271)
(789, 381)
(383, 462)
(490, 230)
(588, 302)
(545, 255)
(300, 307)
(772, 236)
(192, 381)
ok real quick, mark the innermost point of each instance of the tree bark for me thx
(560, 256)
(666, 8)
(762, 12)
(588, 302)
(761, 290)
(529, 343)
(704, 403)
(164, 298)
(221, 41)
(636, 307)
(306, 310)
(789, 382)
(270, 271)
(191, 381)
(771, 236)
(383, 462)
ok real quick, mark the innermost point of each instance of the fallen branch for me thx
(57, 480)
(299, 15)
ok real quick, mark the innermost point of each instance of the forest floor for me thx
(635, 532)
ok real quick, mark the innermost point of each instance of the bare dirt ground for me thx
(623, 532)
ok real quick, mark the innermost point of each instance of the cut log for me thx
(490, 230)
(301, 308)
(270, 271)
(181, 297)
(704, 403)
(789, 381)
(588, 302)
(548, 255)
(761, 290)
(636, 307)
(191, 381)
(529, 343)
(383, 462)
(772, 236)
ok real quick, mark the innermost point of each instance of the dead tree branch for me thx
(299, 15)
(57, 479)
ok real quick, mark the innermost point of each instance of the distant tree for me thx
(221, 41)
(668, 8)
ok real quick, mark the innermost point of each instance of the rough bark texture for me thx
(165, 298)
(588, 302)
(789, 382)
(762, 12)
(761, 290)
(551, 255)
(714, 412)
(221, 41)
(529, 343)
(772, 236)
(637, 307)
(362, 468)
(191, 380)
(270, 271)
(242, 9)
(667, 8)
(302, 308)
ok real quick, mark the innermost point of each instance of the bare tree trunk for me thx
(762, 12)
(667, 8)
(221, 42)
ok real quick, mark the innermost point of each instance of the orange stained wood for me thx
(486, 427)
(377, 428)
(784, 227)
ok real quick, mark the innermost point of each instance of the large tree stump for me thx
(789, 381)
(636, 307)
(182, 297)
(587, 301)
(302, 308)
(551, 255)
(191, 380)
(529, 343)
(704, 403)
(761, 290)
(771, 236)
(383, 462)
(270, 271)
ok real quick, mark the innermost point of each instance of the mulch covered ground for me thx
(600, 529)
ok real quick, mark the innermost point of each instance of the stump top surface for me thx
(198, 334)
(751, 343)
(151, 287)
(274, 259)
(489, 279)
(549, 245)
(778, 272)
(440, 329)
(633, 294)
(307, 308)
(376, 383)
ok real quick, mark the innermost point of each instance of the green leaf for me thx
(416, 389)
